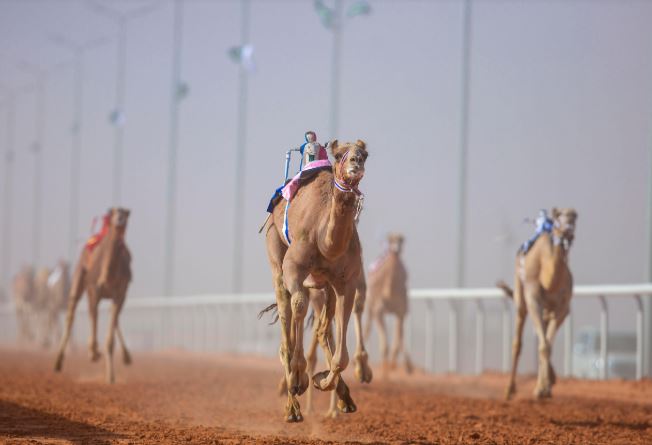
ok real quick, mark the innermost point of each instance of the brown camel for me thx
(58, 288)
(40, 306)
(543, 286)
(388, 294)
(324, 253)
(24, 299)
(103, 272)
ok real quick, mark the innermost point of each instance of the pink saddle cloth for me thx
(291, 187)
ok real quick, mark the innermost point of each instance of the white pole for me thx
(604, 337)
(335, 69)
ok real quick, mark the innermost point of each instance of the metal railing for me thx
(226, 323)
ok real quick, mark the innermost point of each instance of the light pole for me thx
(40, 76)
(333, 18)
(8, 186)
(178, 92)
(241, 145)
(118, 116)
(78, 50)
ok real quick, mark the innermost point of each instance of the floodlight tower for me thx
(78, 50)
(179, 91)
(118, 116)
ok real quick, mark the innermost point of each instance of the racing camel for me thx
(317, 247)
(103, 271)
(543, 286)
(388, 295)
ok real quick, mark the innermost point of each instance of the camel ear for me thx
(360, 143)
(555, 213)
(336, 150)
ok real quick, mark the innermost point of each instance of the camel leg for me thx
(93, 303)
(126, 356)
(75, 294)
(399, 344)
(361, 359)
(521, 313)
(341, 397)
(110, 337)
(275, 252)
(382, 340)
(293, 275)
(345, 294)
(551, 331)
(311, 357)
(532, 295)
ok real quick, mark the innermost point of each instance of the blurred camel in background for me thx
(103, 271)
(58, 287)
(543, 287)
(24, 298)
(388, 294)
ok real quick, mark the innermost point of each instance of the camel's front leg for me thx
(399, 344)
(362, 370)
(344, 304)
(294, 275)
(110, 336)
(532, 295)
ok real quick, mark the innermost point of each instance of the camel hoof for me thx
(347, 406)
(95, 356)
(58, 364)
(332, 414)
(542, 393)
(126, 358)
(293, 413)
(318, 381)
(510, 391)
(362, 370)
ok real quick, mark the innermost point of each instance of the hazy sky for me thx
(560, 114)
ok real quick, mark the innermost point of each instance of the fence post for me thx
(429, 337)
(506, 319)
(452, 337)
(604, 332)
(639, 337)
(568, 346)
(479, 337)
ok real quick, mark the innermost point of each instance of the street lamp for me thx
(117, 116)
(78, 50)
(179, 91)
(332, 19)
(243, 55)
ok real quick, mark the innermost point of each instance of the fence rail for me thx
(223, 322)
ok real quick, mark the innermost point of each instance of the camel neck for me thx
(339, 224)
(553, 264)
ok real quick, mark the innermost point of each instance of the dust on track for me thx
(181, 398)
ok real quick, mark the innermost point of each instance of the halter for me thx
(345, 187)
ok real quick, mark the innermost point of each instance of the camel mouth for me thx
(355, 173)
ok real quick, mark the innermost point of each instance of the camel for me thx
(41, 297)
(23, 294)
(543, 286)
(103, 271)
(324, 253)
(388, 294)
(58, 287)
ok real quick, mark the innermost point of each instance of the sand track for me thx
(178, 397)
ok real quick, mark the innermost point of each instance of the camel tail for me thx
(505, 288)
(271, 307)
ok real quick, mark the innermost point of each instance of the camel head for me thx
(564, 225)
(119, 217)
(395, 242)
(349, 162)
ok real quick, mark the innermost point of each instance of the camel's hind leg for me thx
(75, 294)
(379, 318)
(532, 298)
(551, 330)
(361, 359)
(126, 356)
(93, 304)
(317, 300)
(521, 313)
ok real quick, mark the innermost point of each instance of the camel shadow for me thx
(17, 421)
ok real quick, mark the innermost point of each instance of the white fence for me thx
(227, 323)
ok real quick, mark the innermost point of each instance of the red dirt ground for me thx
(178, 397)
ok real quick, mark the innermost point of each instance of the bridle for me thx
(347, 187)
